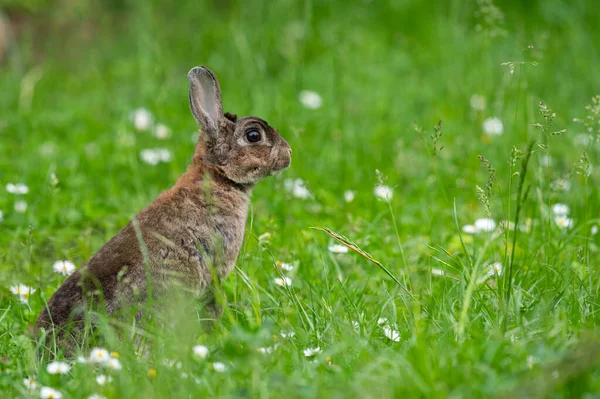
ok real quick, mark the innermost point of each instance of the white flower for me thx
(23, 291)
(383, 192)
(288, 267)
(114, 364)
(17, 189)
(349, 196)
(50, 393)
(560, 209)
(493, 126)
(356, 325)
(58, 368)
(594, 230)
(96, 396)
(437, 272)
(310, 352)
(142, 119)
(21, 206)
(64, 267)
(102, 379)
(469, 229)
(297, 188)
(382, 321)
(338, 249)
(563, 222)
(495, 269)
(391, 333)
(153, 156)
(485, 225)
(219, 367)
(477, 102)
(99, 355)
(162, 132)
(560, 185)
(288, 334)
(201, 350)
(310, 99)
(30, 384)
(81, 360)
(266, 350)
(283, 281)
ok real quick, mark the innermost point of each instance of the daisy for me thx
(493, 126)
(201, 350)
(391, 334)
(114, 364)
(20, 206)
(310, 352)
(477, 102)
(142, 119)
(560, 209)
(162, 132)
(349, 196)
(338, 249)
(50, 393)
(310, 99)
(495, 269)
(485, 225)
(17, 189)
(102, 379)
(23, 291)
(30, 384)
(383, 192)
(381, 321)
(283, 281)
(219, 367)
(99, 355)
(64, 267)
(563, 222)
(58, 368)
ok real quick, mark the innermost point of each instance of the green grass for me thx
(77, 73)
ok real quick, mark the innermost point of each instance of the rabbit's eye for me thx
(253, 136)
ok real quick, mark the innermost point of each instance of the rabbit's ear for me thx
(205, 100)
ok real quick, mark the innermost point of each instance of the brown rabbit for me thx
(190, 230)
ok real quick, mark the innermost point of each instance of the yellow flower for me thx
(151, 373)
(115, 355)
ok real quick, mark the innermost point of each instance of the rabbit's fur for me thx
(191, 230)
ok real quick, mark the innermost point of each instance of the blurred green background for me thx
(73, 72)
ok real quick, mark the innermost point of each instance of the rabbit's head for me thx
(244, 150)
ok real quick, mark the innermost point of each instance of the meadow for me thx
(435, 235)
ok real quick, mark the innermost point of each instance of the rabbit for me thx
(191, 232)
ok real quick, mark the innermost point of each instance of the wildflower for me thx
(114, 364)
(338, 249)
(81, 360)
(530, 362)
(21, 206)
(99, 355)
(391, 334)
(219, 367)
(310, 99)
(142, 119)
(201, 350)
(560, 209)
(495, 269)
(53, 179)
(437, 272)
(30, 384)
(162, 132)
(23, 291)
(310, 352)
(560, 185)
(102, 379)
(50, 393)
(58, 368)
(114, 354)
(383, 192)
(297, 188)
(381, 321)
(349, 196)
(469, 229)
(289, 334)
(266, 350)
(64, 267)
(151, 373)
(563, 222)
(288, 267)
(355, 325)
(477, 102)
(493, 126)
(17, 189)
(594, 230)
(485, 225)
(283, 281)
(153, 156)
